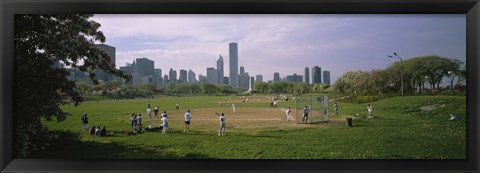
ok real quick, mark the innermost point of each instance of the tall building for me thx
(316, 75)
(242, 69)
(326, 77)
(259, 78)
(220, 69)
(165, 78)
(233, 55)
(306, 75)
(183, 76)
(294, 78)
(212, 75)
(226, 80)
(157, 75)
(276, 77)
(191, 77)
(172, 75)
(202, 78)
(252, 80)
(157, 72)
(244, 81)
(144, 67)
(100, 74)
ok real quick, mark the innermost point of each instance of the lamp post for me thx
(430, 83)
(401, 68)
(451, 80)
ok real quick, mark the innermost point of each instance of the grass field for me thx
(409, 127)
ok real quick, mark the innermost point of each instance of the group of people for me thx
(94, 131)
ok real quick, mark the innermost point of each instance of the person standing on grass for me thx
(305, 114)
(155, 112)
(139, 122)
(234, 106)
(222, 119)
(287, 112)
(164, 123)
(149, 113)
(133, 121)
(164, 114)
(275, 104)
(85, 122)
(188, 116)
(370, 110)
(177, 106)
(335, 107)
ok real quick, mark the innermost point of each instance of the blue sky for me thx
(282, 43)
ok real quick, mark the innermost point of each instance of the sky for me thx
(284, 43)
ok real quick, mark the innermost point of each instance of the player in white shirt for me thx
(234, 105)
(164, 123)
(370, 110)
(287, 112)
(149, 113)
(223, 121)
(188, 116)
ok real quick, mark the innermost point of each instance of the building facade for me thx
(306, 75)
(276, 77)
(220, 69)
(259, 78)
(191, 77)
(101, 75)
(182, 78)
(326, 77)
(316, 75)
(233, 55)
(212, 75)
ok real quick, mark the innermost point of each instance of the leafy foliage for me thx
(42, 44)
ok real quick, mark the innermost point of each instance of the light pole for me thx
(451, 80)
(401, 68)
(430, 82)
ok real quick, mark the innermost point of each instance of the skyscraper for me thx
(294, 78)
(100, 74)
(306, 75)
(144, 67)
(220, 69)
(316, 75)
(244, 81)
(172, 75)
(191, 77)
(259, 78)
(326, 77)
(183, 76)
(242, 69)
(252, 80)
(233, 54)
(212, 75)
(276, 77)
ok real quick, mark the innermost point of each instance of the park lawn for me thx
(409, 127)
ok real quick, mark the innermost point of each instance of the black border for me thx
(10, 7)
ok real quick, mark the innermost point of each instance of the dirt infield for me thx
(248, 118)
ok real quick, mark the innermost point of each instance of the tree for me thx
(320, 88)
(208, 88)
(261, 87)
(43, 44)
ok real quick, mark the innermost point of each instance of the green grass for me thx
(402, 130)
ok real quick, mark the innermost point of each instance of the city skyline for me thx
(283, 43)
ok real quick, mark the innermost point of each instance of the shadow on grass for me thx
(69, 146)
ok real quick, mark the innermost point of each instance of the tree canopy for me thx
(44, 44)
